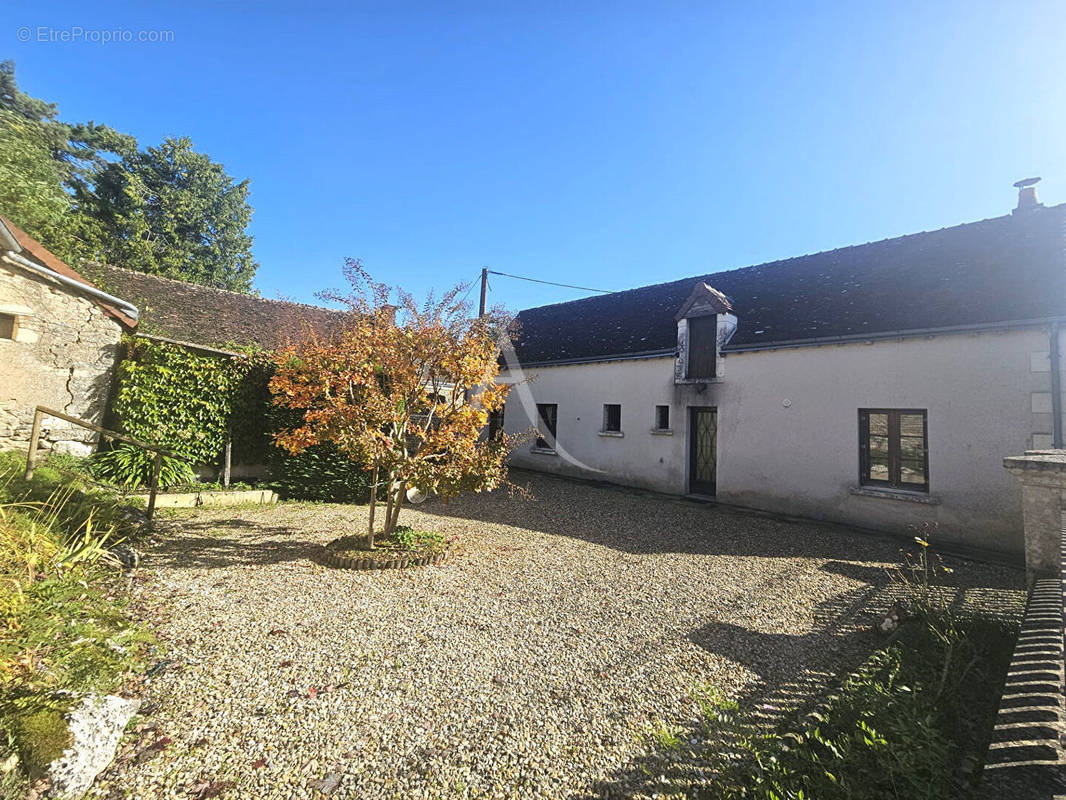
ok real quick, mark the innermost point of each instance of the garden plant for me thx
(404, 389)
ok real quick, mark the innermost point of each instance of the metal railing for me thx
(35, 435)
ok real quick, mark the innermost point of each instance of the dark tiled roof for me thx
(1008, 268)
(204, 315)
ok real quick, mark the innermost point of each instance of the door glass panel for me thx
(705, 444)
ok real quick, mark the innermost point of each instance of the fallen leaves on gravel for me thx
(207, 789)
(327, 784)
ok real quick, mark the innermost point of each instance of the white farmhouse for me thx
(878, 385)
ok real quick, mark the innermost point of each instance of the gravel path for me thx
(531, 666)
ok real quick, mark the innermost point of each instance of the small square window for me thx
(9, 326)
(612, 418)
(662, 418)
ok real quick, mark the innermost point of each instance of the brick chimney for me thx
(1027, 199)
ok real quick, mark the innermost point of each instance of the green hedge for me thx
(189, 403)
(172, 397)
(319, 473)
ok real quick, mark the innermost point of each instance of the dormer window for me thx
(705, 324)
(702, 347)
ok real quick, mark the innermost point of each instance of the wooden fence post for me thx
(228, 460)
(156, 463)
(35, 434)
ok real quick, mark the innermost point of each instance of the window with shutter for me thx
(612, 418)
(702, 346)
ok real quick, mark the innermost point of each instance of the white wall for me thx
(637, 458)
(987, 397)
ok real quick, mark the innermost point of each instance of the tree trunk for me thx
(227, 460)
(373, 505)
(401, 490)
(388, 506)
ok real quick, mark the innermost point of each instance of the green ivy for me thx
(189, 403)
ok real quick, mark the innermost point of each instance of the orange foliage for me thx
(405, 389)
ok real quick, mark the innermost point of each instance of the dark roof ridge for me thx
(974, 274)
(790, 259)
(244, 295)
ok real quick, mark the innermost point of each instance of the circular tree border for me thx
(334, 559)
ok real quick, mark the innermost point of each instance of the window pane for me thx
(662, 417)
(878, 424)
(912, 448)
(912, 472)
(548, 413)
(877, 448)
(7, 326)
(702, 344)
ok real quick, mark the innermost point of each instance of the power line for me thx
(550, 283)
(470, 288)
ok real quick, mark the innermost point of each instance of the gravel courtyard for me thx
(532, 665)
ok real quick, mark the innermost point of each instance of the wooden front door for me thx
(703, 450)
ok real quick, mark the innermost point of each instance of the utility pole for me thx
(484, 291)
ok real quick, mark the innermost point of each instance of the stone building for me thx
(879, 385)
(59, 341)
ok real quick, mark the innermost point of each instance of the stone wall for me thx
(63, 356)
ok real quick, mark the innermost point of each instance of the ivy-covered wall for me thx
(188, 401)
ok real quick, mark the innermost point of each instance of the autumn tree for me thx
(405, 389)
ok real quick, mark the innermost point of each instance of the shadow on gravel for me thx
(218, 543)
(797, 671)
(640, 522)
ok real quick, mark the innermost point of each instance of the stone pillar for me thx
(1043, 477)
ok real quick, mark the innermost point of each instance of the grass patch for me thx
(403, 541)
(64, 630)
(44, 736)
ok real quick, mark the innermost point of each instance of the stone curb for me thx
(332, 559)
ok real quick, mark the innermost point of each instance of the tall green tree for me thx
(32, 173)
(31, 183)
(87, 191)
(171, 211)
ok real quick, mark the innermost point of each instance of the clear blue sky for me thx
(607, 144)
